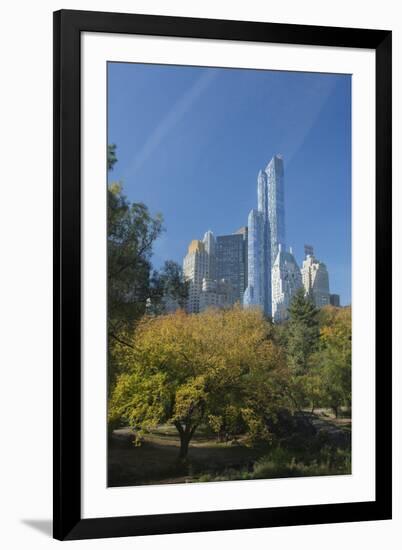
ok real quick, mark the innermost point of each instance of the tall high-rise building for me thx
(315, 278)
(276, 204)
(216, 270)
(217, 294)
(308, 250)
(244, 231)
(252, 266)
(335, 300)
(210, 246)
(286, 280)
(195, 268)
(255, 293)
(231, 264)
(270, 232)
(265, 250)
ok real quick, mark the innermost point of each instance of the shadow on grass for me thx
(324, 449)
(156, 461)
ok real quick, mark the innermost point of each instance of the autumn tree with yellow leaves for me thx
(220, 368)
(328, 377)
(335, 357)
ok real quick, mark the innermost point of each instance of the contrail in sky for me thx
(179, 109)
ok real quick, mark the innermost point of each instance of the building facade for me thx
(195, 267)
(231, 263)
(255, 293)
(315, 278)
(286, 280)
(266, 231)
(244, 232)
(218, 294)
(335, 300)
(210, 248)
(276, 204)
(252, 266)
(216, 269)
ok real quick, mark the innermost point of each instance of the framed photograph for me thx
(222, 274)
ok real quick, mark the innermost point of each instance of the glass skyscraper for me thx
(252, 266)
(276, 205)
(210, 243)
(216, 270)
(254, 294)
(231, 265)
(266, 231)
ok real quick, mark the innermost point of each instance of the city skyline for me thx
(214, 182)
(252, 266)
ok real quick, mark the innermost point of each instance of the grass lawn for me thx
(155, 461)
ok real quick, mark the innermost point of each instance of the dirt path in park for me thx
(155, 461)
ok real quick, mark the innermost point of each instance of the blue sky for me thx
(191, 140)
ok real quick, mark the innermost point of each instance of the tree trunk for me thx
(184, 443)
(186, 434)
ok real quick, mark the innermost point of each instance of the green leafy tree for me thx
(111, 156)
(168, 287)
(220, 367)
(302, 332)
(335, 357)
(131, 232)
(300, 336)
(310, 386)
(327, 381)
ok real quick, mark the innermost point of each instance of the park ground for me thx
(322, 446)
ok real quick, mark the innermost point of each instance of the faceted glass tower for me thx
(265, 249)
(266, 231)
(254, 293)
(276, 205)
(258, 292)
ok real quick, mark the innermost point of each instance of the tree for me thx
(217, 367)
(335, 357)
(327, 380)
(300, 338)
(168, 289)
(310, 386)
(111, 156)
(303, 332)
(131, 232)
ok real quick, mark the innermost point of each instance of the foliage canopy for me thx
(220, 367)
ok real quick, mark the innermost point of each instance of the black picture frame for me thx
(68, 26)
